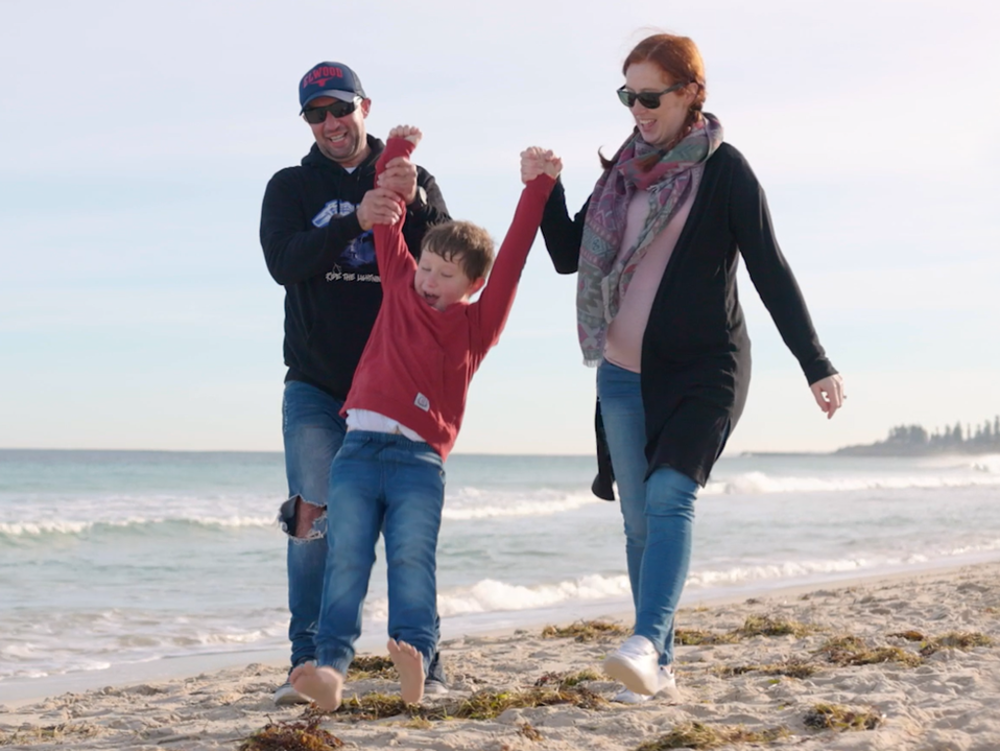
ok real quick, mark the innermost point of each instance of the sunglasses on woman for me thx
(316, 115)
(648, 99)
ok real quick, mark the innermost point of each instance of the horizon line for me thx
(744, 452)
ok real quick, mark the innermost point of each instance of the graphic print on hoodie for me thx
(361, 250)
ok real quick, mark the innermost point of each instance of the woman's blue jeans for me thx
(658, 512)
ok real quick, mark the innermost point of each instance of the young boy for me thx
(404, 411)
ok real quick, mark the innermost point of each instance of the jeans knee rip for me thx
(287, 519)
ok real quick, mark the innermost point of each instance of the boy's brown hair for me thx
(463, 243)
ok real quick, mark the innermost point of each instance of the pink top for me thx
(623, 346)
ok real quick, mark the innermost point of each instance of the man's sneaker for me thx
(436, 683)
(668, 690)
(434, 687)
(635, 665)
(285, 695)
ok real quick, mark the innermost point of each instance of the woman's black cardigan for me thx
(695, 350)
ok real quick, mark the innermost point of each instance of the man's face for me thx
(342, 139)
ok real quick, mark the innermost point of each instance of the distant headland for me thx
(915, 440)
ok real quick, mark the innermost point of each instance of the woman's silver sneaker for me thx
(636, 664)
(667, 690)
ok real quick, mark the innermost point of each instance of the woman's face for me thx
(660, 125)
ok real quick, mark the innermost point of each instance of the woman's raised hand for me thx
(553, 166)
(536, 161)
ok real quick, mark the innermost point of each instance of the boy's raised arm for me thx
(539, 170)
(394, 259)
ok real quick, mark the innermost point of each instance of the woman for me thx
(656, 250)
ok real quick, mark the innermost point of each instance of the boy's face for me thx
(442, 283)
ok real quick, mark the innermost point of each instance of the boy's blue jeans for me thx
(658, 512)
(381, 481)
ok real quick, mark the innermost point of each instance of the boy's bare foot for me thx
(410, 664)
(410, 132)
(323, 685)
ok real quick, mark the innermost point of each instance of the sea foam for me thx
(516, 506)
(491, 595)
(760, 483)
(135, 524)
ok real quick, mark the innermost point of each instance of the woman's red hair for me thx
(679, 59)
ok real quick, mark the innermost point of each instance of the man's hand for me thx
(400, 176)
(829, 394)
(379, 206)
(536, 161)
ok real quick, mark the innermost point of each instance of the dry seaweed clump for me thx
(695, 735)
(851, 650)
(909, 635)
(367, 667)
(291, 736)
(482, 705)
(693, 637)
(417, 723)
(836, 717)
(753, 625)
(569, 680)
(370, 707)
(530, 732)
(486, 705)
(765, 625)
(585, 631)
(956, 640)
(790, 668)
(40, 734)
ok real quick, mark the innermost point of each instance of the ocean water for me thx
(115, 558)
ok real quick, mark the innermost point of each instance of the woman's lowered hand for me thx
(829, 394)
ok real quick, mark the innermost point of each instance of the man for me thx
(316, 231)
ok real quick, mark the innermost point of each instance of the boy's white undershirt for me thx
(376, 422)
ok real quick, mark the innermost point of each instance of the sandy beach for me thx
(903, 663)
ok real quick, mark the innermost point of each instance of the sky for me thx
(136, 139)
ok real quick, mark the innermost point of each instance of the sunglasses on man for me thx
(316, 115)
(648, 99)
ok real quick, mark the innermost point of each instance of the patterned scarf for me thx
(606, 268)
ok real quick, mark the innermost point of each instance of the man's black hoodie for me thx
(315, 247)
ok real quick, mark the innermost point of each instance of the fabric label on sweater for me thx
(422, 402)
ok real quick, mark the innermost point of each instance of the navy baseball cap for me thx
(330, 79)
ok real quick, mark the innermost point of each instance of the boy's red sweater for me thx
(418, 362)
